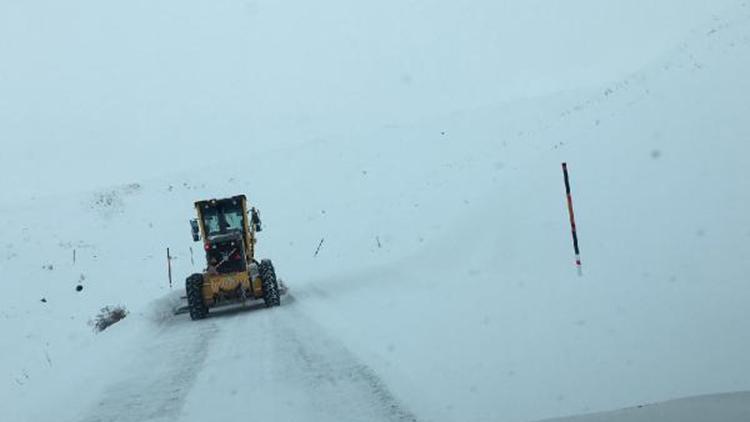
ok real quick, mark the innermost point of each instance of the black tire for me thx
(270, 285)
(193, 288)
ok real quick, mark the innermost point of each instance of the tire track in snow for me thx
(159, 378)
(286, 367)
(344, 386)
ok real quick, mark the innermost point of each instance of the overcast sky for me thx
(95, 93)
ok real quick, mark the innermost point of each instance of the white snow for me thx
(717, 407)
(422, 141)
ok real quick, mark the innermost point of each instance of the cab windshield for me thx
(223, 217)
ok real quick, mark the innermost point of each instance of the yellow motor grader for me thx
(232, 275)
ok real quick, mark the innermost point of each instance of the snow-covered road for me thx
(279, 364)
(157, 378)
(276, 363)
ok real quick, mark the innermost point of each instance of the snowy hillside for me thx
(444, 288)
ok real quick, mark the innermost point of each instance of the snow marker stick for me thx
(319, 246)
(169, 268)
(572, 216)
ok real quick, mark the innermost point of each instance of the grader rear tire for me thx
(271, 294)
(194, 290)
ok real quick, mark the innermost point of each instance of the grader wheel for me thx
(196, 305)
(271, 294)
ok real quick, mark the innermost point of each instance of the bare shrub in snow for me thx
(108, 316)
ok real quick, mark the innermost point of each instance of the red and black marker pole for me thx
(572, 216)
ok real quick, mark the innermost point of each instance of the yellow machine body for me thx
(220, 287)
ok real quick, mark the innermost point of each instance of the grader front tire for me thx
(271, 294)
(194, 290)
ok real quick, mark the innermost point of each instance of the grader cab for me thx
(228, 230)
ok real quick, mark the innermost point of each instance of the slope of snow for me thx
(718, 407)
(444, 289)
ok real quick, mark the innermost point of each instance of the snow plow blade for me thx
(183, 308)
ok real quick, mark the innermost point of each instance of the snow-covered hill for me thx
(444, 288)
